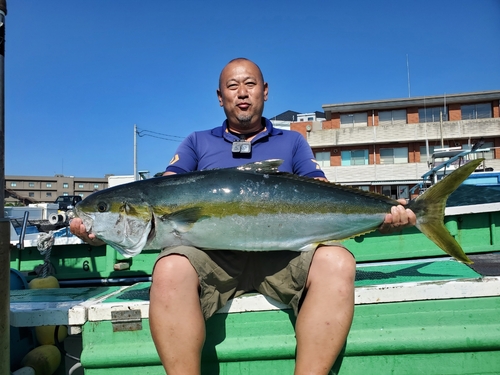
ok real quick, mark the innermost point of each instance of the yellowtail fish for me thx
(253, 208)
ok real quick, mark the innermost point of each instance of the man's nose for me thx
(242, 91)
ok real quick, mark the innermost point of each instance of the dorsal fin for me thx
(263, 167)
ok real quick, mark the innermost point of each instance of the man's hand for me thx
(398, 219)
(78, 229)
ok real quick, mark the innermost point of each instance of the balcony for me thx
(368, 135)
(389, 174)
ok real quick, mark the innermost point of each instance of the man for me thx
(189, 285)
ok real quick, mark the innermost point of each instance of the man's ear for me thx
(219, 97)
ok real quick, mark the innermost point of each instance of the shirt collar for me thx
(222, 132)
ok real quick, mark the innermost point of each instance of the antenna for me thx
(408, 73)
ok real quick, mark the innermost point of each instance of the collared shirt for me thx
(211, 149)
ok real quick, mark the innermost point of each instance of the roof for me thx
(286, 116)
(429, 101)
(291, 116)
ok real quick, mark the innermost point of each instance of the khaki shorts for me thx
(226, 274)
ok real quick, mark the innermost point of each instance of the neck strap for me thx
(245, 136)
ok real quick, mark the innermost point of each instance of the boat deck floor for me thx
(486, 264)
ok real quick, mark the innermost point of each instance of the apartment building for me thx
(41, 189)
(283, 120)
(384, 145)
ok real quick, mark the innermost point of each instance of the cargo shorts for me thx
(226, 274)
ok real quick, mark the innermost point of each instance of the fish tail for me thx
(429, 209)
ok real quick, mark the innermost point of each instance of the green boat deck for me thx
(417, 311)
(412, 317)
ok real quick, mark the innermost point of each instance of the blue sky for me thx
(80, 74)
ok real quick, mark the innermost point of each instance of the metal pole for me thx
(135, 152)
(441, 128)
(4, 223)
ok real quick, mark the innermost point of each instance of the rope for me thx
(44, 246)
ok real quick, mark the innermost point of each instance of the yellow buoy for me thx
(43, 283)
(44, 359)
(45, 334)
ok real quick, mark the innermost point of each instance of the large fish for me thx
(253, 208)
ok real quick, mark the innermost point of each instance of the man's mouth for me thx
(243, 106)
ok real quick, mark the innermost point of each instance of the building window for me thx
(96, 186)
(475, 111)
(31, 194)
(310, 119)
(394, 155)
(65, 194)
(80, 186)
(354, 157)
(395, 117)
(31, 184)
(65, 185)
(48, 195)
(403, 192)
(389, 191)
(81, 195)
(396, 192)
(423, 152)
(48, 184)
(13, 184)
(353, 120)
(432, 114)
(323, 158)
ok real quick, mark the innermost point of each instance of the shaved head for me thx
(239, 59)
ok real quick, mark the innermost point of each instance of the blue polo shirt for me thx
(210, 149)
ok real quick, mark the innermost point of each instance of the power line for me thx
(153, 134)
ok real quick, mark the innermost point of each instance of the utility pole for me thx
(4, 223)
(135, 153)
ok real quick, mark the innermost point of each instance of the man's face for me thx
(242, 93)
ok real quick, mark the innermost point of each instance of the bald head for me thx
(239, 60)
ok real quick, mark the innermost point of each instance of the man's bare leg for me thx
(326, 314)
(175, 316)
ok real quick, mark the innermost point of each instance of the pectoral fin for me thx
(183, 220)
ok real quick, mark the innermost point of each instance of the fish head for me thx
(123, 223)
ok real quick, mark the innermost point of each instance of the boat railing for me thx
(430, 177)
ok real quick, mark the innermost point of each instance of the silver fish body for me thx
(250, 208)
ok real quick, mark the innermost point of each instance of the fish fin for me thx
(183, 220)
(429, 209)
(263, 167)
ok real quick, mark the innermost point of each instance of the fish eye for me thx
(102, 207)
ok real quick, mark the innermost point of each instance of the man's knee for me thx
(333, 261)
(173, 269)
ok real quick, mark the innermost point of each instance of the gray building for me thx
(41, 189)
(383, 145)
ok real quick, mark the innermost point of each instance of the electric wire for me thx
(153, 134)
